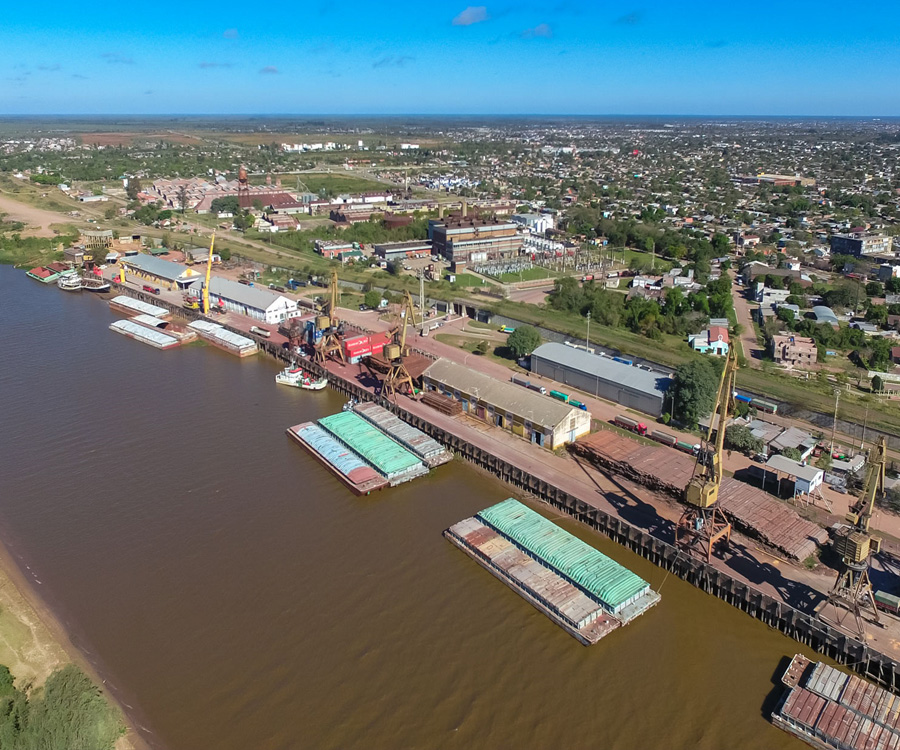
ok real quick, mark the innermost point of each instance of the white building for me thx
(536, 223)
(252, 301)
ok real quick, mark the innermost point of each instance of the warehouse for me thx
(270, 307)
(159, 272)
(540, 419)
(632, 387)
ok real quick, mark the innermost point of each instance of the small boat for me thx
(70, 283)
(96, 284)
(299, 378)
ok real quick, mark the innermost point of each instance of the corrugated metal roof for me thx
(163, 269)
(148, 335)
(505, 397)
(612, 584)
(794, 468)
(136, 304)
(256, 297)
(226, 337)
(389, 457)
(634, 378)
(149, 320)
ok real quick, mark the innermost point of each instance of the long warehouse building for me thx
(630, 386)
(540, 419)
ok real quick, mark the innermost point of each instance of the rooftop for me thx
(251, 296)
(794, 468)
(505, 396)
(163, 269)
(635, 378)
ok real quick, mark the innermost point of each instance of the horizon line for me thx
(449, 114)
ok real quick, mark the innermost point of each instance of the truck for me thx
(538, 388)
(151, 289)
(664, 437)
(577, 404)
(630, 424)
(518, 380)
(560, 396)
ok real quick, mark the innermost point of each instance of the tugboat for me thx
(299, 378)
(96, 284)
(70, 283)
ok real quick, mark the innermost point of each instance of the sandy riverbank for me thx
(33, 643)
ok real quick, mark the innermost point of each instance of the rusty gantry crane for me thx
(326, 322)
(703, 525)
(855, 545)
(398, 379)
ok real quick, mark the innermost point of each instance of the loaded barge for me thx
(829, 709)
(344, 463)
(146, 335)
(428, 449)
(578, 587)
(131, 307)
(226, 340)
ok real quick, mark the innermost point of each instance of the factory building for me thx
(402, 250)
(860, 244)
(466, 241)
(159, 272)
(252, 301)
(623, 383)
(538, 418)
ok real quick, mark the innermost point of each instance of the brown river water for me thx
(234, 595)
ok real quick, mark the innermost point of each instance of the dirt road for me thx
(37, 220)
(752, 350)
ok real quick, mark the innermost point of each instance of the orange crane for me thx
(703, 524)
(398, 378)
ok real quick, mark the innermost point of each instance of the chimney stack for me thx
(465, 208)
(441, 211)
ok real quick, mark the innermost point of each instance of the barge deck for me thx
(131, 307)
(579, 588)
(144, 334)
(224, 339)
(345, 464)
(428, 449)
(829, 709)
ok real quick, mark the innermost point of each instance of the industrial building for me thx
(159, 272)
(632, 387)
(464, 241)
(540, 419)
(400, 250)
(860, 243)
(251, 301)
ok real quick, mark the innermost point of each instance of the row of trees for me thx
(678, 313)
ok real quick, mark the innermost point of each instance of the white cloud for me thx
(472, 14)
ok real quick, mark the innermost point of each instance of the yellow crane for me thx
(212, 243)
(398, 378)
(855, 545)
(703, 525)
(326, 321)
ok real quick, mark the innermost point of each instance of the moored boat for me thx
(70, 283)
(299, 378)
(96, 284)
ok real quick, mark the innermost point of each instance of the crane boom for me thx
(209, 258)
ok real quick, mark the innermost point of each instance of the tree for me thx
(877, 384)
(372, 299)
(740, 438)
(227, 205)
(524, 340)
(694, 389)
(482, 347)
(792, 453)
(394, 267)
(110, 213)
(133, 188)
(786, 315)
(182, 198)
(875, 289)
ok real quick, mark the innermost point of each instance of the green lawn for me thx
(536, 272)
(337, 182)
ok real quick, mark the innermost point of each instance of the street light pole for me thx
(587, 341)
(837, 397)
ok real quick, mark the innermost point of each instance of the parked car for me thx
(151, 289)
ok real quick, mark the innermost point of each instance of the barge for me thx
(579, 588)
(131, 307)
(144, 334)
(429, 450)
(829, 709)
(385, 455)
(224, 339)
(184, 334)
(344, 463)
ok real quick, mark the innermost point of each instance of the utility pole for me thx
(837, 397)
(587, 341)
(422, 296)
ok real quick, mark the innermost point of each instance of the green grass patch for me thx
(532, 274)
(337, 183)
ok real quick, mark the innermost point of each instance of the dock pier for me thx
(802, 627)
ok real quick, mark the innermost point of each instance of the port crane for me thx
(209, 258)
(398, 378)
(855, 545)
(703, 525)
(326, 322)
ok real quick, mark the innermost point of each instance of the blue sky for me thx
(551, 57)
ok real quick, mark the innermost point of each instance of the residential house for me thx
(794, 350)
(714, 340)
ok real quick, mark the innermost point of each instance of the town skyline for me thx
(451, 58)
